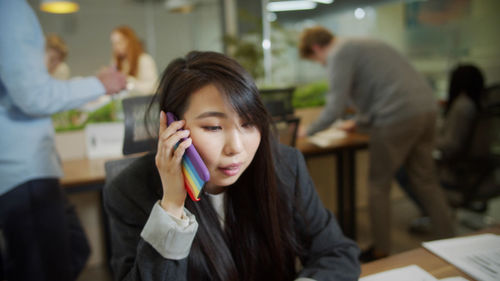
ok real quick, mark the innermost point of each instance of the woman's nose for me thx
(234, 143)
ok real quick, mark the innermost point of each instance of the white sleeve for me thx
(170, 236)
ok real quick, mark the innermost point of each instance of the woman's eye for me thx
(212, 128)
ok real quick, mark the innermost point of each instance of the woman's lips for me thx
(231, 170)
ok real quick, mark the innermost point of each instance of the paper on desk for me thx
(478, 255)
(456, 278)
(325, 137)
(407, 273)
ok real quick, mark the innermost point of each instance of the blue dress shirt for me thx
(29, 96)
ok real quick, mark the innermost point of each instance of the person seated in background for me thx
(395, 105)
(130, 59)
(258, 212)
(462, 107)
(56, 52)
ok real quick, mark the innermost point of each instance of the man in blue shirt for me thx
(33, 226)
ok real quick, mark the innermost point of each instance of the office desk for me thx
(345, 151)
(83, 174)
(431, 263)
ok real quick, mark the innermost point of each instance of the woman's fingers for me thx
(179, 151)
(163, 122)
(170, 143)
(165, 132)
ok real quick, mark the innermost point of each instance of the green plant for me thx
(74, 119)
(309, 95)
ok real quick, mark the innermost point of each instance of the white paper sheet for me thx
(407, 273)
(456, 278)
(478, 255)
(324, 138)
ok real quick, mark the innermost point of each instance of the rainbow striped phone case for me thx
(194, 170)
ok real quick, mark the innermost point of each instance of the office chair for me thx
(113, 168)
(278, 101)
(286, 129)
(137, 138)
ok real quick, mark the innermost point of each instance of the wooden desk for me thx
(86, 174)
(431, 263)
(345, 151)
(83, 174)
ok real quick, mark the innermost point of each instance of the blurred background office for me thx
(435, 35)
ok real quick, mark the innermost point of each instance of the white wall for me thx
(165, 35)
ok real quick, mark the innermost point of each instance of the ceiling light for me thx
(179, 6)
(281, 6)
(359, 13)
(59, 6)
(266, 44)
(323, 1)
(271, 17)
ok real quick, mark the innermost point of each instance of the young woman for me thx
(129, 58)
(56, 52)
(259, 213)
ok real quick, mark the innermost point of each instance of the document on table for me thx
(478, 255)
(407, 273)
(325, 137)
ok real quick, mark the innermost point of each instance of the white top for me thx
(145, 82)
(61, 72)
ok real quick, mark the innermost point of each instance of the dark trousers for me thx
(41, 236)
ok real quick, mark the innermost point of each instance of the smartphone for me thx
(193, 168)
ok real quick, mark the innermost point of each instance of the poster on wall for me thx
(435, 13)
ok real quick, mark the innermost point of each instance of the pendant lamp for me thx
(59, 6)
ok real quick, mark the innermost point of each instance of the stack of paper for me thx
(478, 256)
(325, 138)
(407, 273)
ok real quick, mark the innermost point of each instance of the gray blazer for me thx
(129, 198)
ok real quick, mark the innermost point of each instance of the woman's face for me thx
(119, 43)
(226, 143)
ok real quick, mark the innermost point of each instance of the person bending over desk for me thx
(395, 104)
(259, 211)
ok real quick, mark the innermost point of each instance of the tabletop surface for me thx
(428, 261)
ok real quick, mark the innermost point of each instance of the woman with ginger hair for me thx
(130, 58)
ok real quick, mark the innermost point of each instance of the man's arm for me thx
(23, 71)
(340, 73)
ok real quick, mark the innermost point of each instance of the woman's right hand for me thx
(168, 162)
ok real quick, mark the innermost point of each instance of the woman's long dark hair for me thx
(257, 241)
(466, 79)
